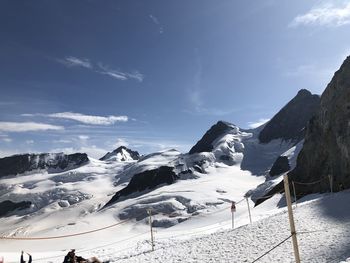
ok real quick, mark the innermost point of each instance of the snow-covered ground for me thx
(323, 222)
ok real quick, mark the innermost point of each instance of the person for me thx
(70, 257)
(30, 258)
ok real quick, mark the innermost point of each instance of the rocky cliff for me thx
(290, 121)
(326, 150)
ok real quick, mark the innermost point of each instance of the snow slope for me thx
(321, 220)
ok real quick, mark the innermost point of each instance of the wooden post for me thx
(233, 220)
(330, 177)
(150, 223)
(291, 219)
(250, 216)
(295, 196)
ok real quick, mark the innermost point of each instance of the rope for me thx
(267, 252)
(310, 183)
(90, 249)
(65, 236)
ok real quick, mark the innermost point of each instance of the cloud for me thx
(93, 151)
(156, 22)
(27, 126)
(5, 153)
(83, 137)
(29, 141)
(7, 139)
(195, 96)
(121, 142)
(76, 62)
(105, 70)
(258, 123)
(86, 119)
(100, 68)
(89, 119)
(325, 15)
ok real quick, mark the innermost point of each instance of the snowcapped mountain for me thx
(121, 154)
(19, 164)
(227, 164)
(137, 183)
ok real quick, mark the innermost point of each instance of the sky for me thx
(89, 76)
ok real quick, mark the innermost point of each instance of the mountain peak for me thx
(290, 121)
(122, 154)
(205, 144)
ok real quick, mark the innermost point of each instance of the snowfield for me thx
(191, 217)
(323, 222)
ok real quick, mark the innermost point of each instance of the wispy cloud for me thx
(76, 62)
(27, 126)
(100, 68)
(121, 142)
(257, 123)
(195, 96)
(117, 74)
(5, 138)
(83, 137)
(93, 151)
(324, 15)
(83, 118)
(156, 22)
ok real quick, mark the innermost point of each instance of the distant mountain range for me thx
(308, 139)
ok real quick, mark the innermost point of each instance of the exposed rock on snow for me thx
(206, 143)
(290, 121)
(8, 206)
(281, 165)
(146, 180)
(121, 154)
(18, 164)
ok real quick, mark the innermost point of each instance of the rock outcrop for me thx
(289, 123)
(8, 206)
(281, 165)
(205, 144)
(18, 164)
(147, 180)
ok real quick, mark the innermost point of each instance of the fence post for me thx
(295, 196)
(233, 220)
(150, 223)
(291, 219)
(330, 177)
(250, 216)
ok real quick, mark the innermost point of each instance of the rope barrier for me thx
(267, 252)
(107, 245)
(64, 236)
(310, 183)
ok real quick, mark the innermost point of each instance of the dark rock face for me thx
(18, 164)
(205, 144)
(146, 180)
(133, 154)
(281, 165)
(9, 206)
(326, 150)
(290, 121)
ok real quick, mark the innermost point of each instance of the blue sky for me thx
(92, 75)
